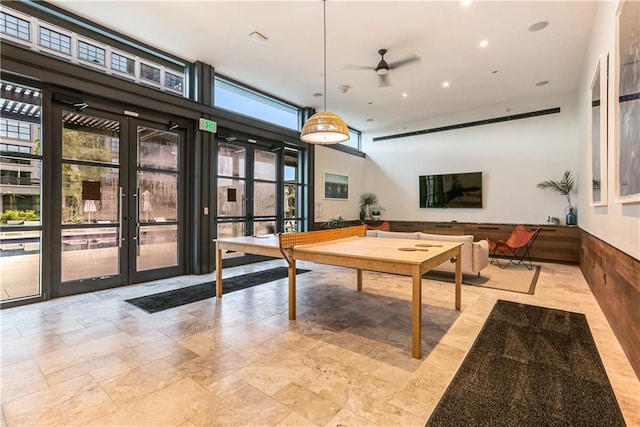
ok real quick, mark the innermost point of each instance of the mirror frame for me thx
(600, 75)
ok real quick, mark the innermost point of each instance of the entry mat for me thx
(177, 297)
(530, 366)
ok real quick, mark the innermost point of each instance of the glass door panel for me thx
(231, 197)
(91, 205)
(264, 199)
(231, 160)
(264, 165)
(158, 247)
(157, 199)
(89, 252)
(21, 189)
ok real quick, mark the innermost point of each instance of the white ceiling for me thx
(444, 34)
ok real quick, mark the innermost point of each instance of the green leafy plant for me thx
(17, 215)
(564, 186)
(367, 199)
(337, 222)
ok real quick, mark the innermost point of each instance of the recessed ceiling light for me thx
(317, 95)
(539, 26)
(466, 2)
(445, 84)
(405, 94)
(484, 43)
(257, 37)
(542, 83)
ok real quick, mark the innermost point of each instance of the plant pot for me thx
(375, 217)
(571, 218)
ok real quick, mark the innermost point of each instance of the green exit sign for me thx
(208, 125)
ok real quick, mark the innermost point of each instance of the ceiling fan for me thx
(383, 67)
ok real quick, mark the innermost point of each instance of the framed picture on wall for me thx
(336, 186)
(597, 131)
(627, 103)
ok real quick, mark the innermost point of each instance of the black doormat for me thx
(177, 297)
(530, 366)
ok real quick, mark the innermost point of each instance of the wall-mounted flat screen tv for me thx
(454, 190)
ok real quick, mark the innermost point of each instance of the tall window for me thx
(242, 100)
(20, 179)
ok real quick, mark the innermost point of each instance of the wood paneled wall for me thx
(614, 279)
(555, 243)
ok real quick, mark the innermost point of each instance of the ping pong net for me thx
(288, 241)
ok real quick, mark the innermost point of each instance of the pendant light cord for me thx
(324, 20)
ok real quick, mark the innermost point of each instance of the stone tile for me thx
(141, 381)
(25, 348)
(307, 403)
(74, 403)
(206, 370)
(150, 347)
(61, 359)
(20, 379)
(272, 373)
(101, 368)
(245, 407)
(296, 420)
(347, 418)
(93, 332)
(169, 406)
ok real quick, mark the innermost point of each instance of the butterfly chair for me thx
(515, 248)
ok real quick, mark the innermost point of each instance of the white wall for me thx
(617, 224)
(334, 161)
(513, 156)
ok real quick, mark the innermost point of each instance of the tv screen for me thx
(455, 190)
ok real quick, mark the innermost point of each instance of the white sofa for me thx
(475, 255)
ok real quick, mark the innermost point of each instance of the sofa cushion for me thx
(372, 233)
(466, 251)
(398, 235)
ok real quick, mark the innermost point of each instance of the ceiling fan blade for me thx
(351, 67)
(383, 80)
(405, 61)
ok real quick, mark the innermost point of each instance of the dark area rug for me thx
(177, 297)
(530, 366)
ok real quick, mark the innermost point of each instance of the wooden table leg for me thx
(416, 322)
(218, 271)
(292, 289)
(359, 280)
(458, 280)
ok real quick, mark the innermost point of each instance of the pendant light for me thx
(325, 127)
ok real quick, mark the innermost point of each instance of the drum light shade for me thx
(325, 128)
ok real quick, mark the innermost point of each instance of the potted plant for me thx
(366, 201)
(565, 187)
(337, 222)
(376, 211)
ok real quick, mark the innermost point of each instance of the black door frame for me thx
(128, 129)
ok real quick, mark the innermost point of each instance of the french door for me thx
(247, 186)
(120, 183)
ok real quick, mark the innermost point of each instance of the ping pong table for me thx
(348, 247)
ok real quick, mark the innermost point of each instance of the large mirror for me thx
(598, 132)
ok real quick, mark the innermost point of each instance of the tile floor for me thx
(95, 360)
